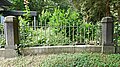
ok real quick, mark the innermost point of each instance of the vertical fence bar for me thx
(49, 34)
(37, 34)
(41, 28)
(44, 30)
(34, 22)
(80, 34)
(77, 39)
(84, 34)
(88, 34)
(92, 33)
(62, 29)
(65, 34)
(69, 34)
(73, 32)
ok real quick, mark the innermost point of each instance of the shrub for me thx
(59, 27)
(117, 33)
(71, 24)
(2, 39)
(44, 37)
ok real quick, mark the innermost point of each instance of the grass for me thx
(21, 61)
(64, 60)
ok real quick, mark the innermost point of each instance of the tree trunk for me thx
(107, 8)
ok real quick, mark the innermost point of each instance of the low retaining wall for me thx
(8, 53)
(60, 49)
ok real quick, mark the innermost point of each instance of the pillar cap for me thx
(9, 19)
(107, 20)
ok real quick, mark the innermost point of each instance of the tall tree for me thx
(17, 5)
(95, 8)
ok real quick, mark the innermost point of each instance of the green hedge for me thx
(82, 60)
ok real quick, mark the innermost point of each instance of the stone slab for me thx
(10, 53)
(60, 49)
(108, 49)
(2, 51)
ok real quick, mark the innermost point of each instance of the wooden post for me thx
(107, 35)
(11, 35)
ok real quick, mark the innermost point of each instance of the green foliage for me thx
(92, 10)
(40, 5)
(1, 28)
(82, 60)
(70, 24)
(25, 31)
(49, 37)
(2, 39)
(59, 27)
(41, 36)
(64, 60)
(117, 33)
(17, 5)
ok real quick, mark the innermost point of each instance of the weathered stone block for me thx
(108, 49)
(107, 31)
(10, 53)
(2, 51)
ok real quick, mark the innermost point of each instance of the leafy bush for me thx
(2, 39)
(117, 33)
(59, 27)
(49, 37)
(44, 37)
(70, 23)
(82, 60)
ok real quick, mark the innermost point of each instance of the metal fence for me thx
(41, 34)
(36, 34)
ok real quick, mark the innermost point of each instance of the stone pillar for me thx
(107, 35)
(11, 35)
(119, 14)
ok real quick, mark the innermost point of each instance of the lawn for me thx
(64, 60)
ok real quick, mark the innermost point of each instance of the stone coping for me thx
(66, 46)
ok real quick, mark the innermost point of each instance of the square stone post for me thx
(119, 14)
(107, 35)
(11, 35)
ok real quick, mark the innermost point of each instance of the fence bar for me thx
(34, 22)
